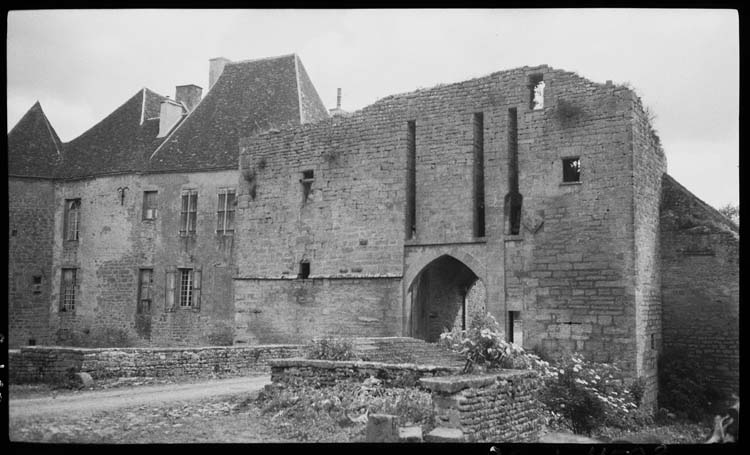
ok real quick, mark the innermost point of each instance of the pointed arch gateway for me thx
(446, 293)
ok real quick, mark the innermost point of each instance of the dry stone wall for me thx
(52, 364)
(497, 407)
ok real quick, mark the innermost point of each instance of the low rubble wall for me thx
(499, 407)
(51, 364)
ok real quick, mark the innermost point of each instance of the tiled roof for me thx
(33, 145)
(119, 143)
(249, 96)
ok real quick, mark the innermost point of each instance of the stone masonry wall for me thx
(700, 285)
(30, 229)
(649, 166)
(496, 407)
(115, 242)
(51, 364)
(326, 373)
(569, 272)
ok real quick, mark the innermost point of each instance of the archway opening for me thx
(445, 294)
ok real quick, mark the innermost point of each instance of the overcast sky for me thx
(81, 65)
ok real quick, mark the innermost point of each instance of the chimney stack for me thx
(338, 98)
(189, 94)
(336, 111)
(215, 68)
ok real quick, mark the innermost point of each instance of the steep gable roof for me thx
(249, 96)
(34, 149)
(121, 142)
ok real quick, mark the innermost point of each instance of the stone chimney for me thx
(337, 110)
(189, 94)
(169, 114)
(215, 68)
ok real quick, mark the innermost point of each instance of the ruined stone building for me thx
(254, 216)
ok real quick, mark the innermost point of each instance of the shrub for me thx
(484, 347)
(683, 390)
(568, 396)
(329, 348)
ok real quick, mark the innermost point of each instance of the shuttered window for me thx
(225, 212)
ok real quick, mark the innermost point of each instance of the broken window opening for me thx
(68, 289)
(411, 179)
(479, 222)
(308, 177)
(145, 286)
(571, 169)
(225, 213)
(36, 284)
(513, 200)
(515, 328)
(304, 270)
(536, 85)
(189, 212)
(149, 205)
(72, 219)
(186, 288)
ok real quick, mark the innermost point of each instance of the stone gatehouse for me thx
(253, 216)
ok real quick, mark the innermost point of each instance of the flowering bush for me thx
(586, 395)
(484, 347)
(329, 348)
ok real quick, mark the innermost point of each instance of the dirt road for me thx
(97, 401)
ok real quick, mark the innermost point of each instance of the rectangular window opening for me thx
(186, 288)
(513, 200)
(149, 205)
(225, 212)
(304, 270)
(72, 219)
(653, 341)
(411, 179)
(68, 288)
(145, 290)
(32, 342)
(479, 224)
(308, 177)
(36, 284)
(536, 86)
(188, 213)
(571, 169)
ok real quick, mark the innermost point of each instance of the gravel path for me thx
(96, 401)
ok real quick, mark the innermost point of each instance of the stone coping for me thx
(453, 384)
(157, 349)
(334, 364)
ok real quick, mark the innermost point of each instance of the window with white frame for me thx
(68, 290)
(189, 212)
(149, 205)
(225, 212)
(186, 288)
(72, 219)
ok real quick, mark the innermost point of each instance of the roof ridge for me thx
(713, 210)
(299, 87)
(252, 60)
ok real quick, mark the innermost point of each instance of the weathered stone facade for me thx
(402, 219)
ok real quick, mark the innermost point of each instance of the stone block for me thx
(410, 434)
(441, 434)
(382, 428)
(83, 379)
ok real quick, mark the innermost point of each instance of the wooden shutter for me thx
(170, 285)
(197, 278)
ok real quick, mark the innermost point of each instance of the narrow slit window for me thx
(68, 288)
(225, 213)
(513, 200)
(304, 270)
(189, 212)
(149, 205)
(571, 169)
(536, 86)
(186, 288)
(411, 179)
(308, 177)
